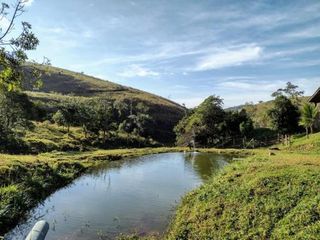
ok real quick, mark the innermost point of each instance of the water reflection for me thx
(206, 164)
(136, 195)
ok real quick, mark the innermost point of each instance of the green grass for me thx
(262, 197)
(47, 137)
(306, 144)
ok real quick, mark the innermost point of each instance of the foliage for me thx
(309, 116)
(284, 116)
(98, 115)
(15, 109)
(210, 125)
(47, 137)
(290, 91)
(155, 121)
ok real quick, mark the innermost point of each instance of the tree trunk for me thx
(104, 135)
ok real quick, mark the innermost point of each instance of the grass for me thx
(47, 137)
(305, 144)
(262, 197)
(58, 80)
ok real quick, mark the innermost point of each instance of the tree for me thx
(309, 116)
(68, 110)
(104, 112)
(291, 91)
(284, 116)
(59, 119)
(15, 109)
(13, 48)
(138, 122)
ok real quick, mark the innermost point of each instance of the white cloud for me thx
(251, 85)
(235, 90)
(229, 57)
(135, 70)
(27, 3)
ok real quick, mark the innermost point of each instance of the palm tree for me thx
(309, 115)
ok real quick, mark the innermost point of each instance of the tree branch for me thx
(18, 10)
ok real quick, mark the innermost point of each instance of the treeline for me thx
(209, 125)
(98, 117)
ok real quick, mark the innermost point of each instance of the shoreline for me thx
(29, 179)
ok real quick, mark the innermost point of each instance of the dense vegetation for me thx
(209, 125)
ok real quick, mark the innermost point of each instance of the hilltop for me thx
(61, 84)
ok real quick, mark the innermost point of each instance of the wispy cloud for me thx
(137, 71)
(229, 57)
(27, 3)
(177, 48)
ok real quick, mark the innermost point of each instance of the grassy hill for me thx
(60, 85)
(258, 112)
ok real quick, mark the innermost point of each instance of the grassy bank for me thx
(262, 197)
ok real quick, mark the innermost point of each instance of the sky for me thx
(184, 50)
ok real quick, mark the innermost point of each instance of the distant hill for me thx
(59, 84)
(258, 112)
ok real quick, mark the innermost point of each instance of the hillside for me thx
(258, 112)
(60, 85)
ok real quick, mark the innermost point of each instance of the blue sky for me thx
(184, 50)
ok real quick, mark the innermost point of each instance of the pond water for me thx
(133, 196)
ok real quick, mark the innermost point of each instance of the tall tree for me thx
(291, 91)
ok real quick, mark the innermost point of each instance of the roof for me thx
(315, 98)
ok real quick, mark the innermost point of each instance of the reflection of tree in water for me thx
(206, 164)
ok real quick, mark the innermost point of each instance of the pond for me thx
(132, 196)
